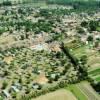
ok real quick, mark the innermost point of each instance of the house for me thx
(14, 88)
(5, 93)
(39, 47)
(18, 86)
(36, 86)
(53, 76)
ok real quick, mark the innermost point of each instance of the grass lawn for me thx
(98, 29)
(98, 79)
(77, 92)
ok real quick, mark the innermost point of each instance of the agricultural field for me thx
(91, 57)
(79, 94)
(93, 61)
(89, 92)
(58, 95)
(84, 91)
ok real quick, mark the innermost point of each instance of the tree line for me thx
(76, 3)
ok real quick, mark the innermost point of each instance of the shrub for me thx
(4, 85)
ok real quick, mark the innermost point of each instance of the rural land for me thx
(49, 49)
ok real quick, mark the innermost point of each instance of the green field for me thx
(95, 73)
(77, 92)
(98, 28)
(98, 79)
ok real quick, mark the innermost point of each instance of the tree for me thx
(20, 79)
(90, 38)
(4, 84)
(84, 24)
(6, 73)
(27, 91)
(14, 95)
(80, 30)
(96, 44)
(7, 3)
(93, 25)
(83, 59)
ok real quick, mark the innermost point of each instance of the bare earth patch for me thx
(6, 40)
(61, 94)
(42, 79)
(8, 59)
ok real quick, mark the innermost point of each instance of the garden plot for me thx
(78, 50)
(95, 74)
(92, 55)
(93, 59)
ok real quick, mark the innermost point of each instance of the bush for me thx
(4, 85)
